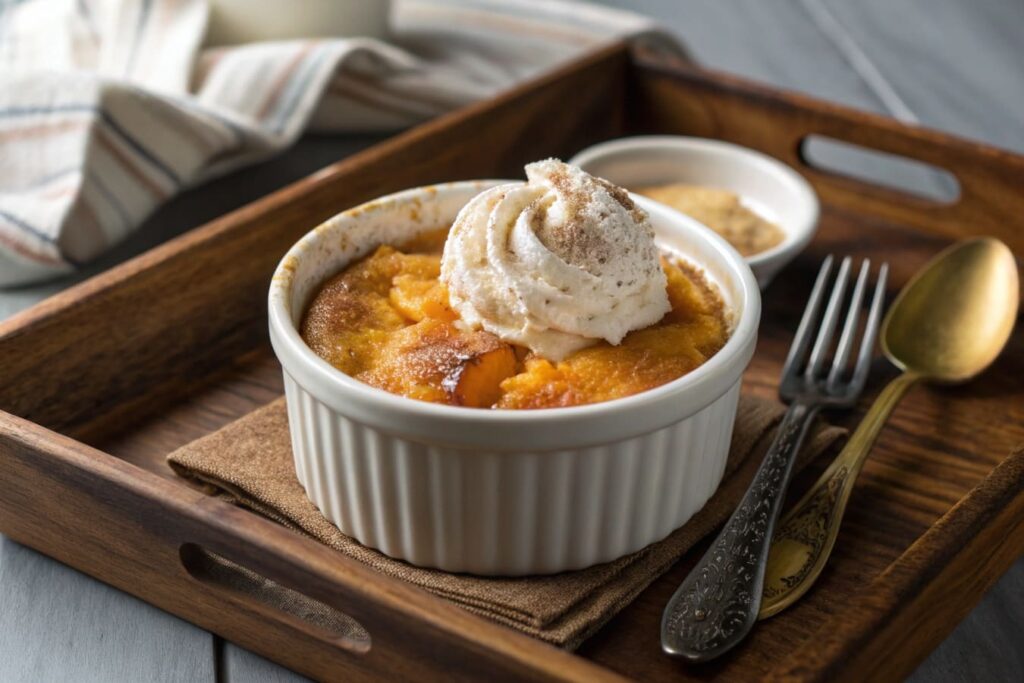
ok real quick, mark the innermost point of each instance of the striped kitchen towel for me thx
(110, 107)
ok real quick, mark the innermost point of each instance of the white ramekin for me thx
(496, 491)
(766, 185)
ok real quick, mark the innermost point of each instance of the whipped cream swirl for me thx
(555, 264)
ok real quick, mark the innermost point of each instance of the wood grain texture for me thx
(986, 644)
(108, 635)
(930, 457)
(428, 154)
(965, 82)
(990, 202)
(906, 486)
(774, 43)
(242, 665)
(57, 623)
(199, 205)
(70, 501)
(987, 529)
(959, 70)
(957, 66)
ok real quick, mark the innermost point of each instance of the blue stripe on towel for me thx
(31, 111)
(107, 119)
(22, 225)
(139, 148)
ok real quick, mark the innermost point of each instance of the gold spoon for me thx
(947, 325)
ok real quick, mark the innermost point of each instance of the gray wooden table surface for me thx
(949, 64)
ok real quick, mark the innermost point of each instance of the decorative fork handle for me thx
(807, 534)
(717, 603)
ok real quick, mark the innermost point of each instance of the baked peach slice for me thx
(476, 380)
(417, 298)
(433, 360)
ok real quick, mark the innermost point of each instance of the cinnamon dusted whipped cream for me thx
(555, 264)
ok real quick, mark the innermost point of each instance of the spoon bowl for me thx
(953, 318)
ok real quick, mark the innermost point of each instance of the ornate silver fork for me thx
(717, 604)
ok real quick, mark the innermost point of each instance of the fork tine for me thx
(828, 322)
(849, 327)
(802, 339)
(867, 347)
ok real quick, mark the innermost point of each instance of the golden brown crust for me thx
(433, 360)
(385, 320)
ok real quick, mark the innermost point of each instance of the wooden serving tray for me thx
(102, 381)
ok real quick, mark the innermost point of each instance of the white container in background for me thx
(503, 491)
(233, 22)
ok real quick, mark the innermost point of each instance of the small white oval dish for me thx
(765, 185)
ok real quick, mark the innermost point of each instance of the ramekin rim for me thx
(743, 335)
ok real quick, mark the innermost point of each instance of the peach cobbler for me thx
(545, 294)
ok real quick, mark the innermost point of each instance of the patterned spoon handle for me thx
(717, 604)
(807, 533)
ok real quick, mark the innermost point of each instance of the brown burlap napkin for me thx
(249, 462)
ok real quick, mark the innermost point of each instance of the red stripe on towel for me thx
(41, 129)
(29, 253)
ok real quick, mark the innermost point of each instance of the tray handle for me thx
(678, 99)
(246, 578)
(292, 608)
(300, 591)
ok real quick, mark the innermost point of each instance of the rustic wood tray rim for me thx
(998, 493)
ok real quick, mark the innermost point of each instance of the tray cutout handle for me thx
(299, 611)
(894, 172)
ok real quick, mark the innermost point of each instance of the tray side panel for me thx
(915, 604)
(125, 526)
(688, 101)
(938, 445)
(183, 308)
(907, 599)
(128, 528)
